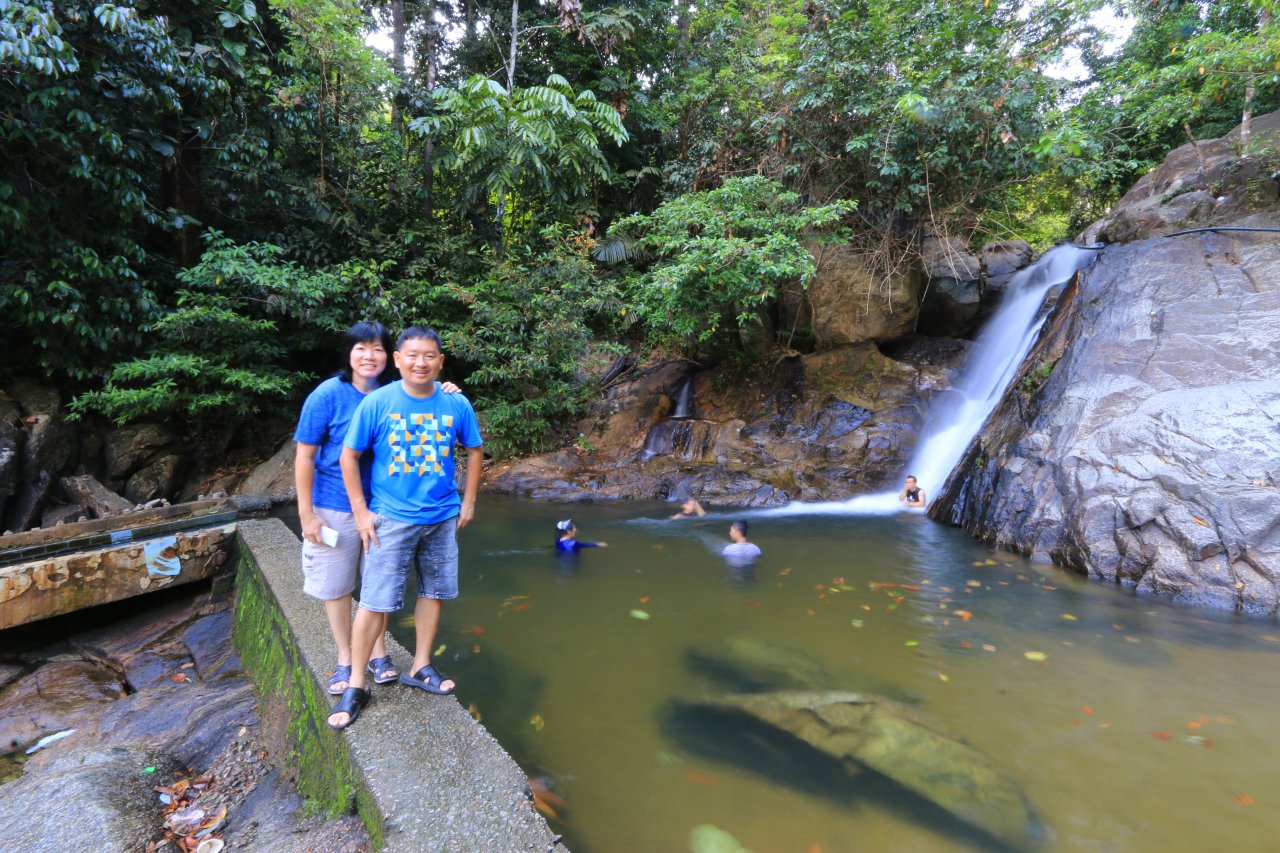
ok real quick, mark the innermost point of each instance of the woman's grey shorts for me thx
(330, 573)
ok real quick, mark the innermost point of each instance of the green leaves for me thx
(540, 141)
(720, 255)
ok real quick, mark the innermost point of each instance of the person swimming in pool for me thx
(912, 495)
(567, 537)
(690, 509)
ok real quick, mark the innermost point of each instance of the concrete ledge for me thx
(423, 775)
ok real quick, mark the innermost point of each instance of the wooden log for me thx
(89, 492)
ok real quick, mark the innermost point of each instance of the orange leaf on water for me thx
(1087, 710)
(1161, 735)
(754, 603)
(1244, 799)
(644, 600)
(476, 630)
(965, 644)
(1104, 725)
(700, 779)
(1193, 724)
(811, 611)
(785, 571)
(963, 614)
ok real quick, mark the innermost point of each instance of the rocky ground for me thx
(166, 750)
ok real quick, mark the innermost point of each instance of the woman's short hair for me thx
(366, 332)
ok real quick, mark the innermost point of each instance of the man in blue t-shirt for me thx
(412, 520)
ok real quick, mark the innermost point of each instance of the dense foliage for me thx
(197, 197)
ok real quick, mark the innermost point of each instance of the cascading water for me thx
(955, 418)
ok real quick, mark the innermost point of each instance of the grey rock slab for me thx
(91, 799)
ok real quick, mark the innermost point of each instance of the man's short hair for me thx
(912, 477)
(418, 333)
(740, 526)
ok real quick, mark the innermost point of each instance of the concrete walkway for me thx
(435, 778)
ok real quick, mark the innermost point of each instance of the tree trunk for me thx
(397, 61)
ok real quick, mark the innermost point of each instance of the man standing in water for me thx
(416, 511)
(912, 495)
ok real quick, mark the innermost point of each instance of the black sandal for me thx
(353, 701)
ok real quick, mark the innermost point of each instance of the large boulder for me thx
(158, 479)
(1212, 182)
(849, 303)
(273, 477)
(1002, 260)
(952, 301)
(128, 448)
(1149, 456)
(49, 448)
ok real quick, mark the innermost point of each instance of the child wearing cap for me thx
(567, 537)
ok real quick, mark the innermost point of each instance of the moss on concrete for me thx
(325, 776)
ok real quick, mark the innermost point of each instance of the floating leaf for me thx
(1086, 709)
(1161, 735)
(701, 779)
(973, 583)
(475, 713)
(965, 644)
(912, 643)
(668, 758)
(1069, 617)
(987, 647)
(521, 607)
(1036, 656)
(537, 722)
(1244, 799)
(942, 676)
(964, 614)
(439, 651)
(639, 614)
(644, 599)
(475, 630)
(857, 623)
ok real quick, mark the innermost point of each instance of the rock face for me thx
(1151, 455)
(821, 427)
(1197, 186)
(273, 477)
(952, 301)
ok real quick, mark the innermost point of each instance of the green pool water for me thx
(1145, 727)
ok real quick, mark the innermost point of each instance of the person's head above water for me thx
(566, 529)
(738, 531)
(911, 481)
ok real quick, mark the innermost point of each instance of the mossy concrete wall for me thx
(422, 774)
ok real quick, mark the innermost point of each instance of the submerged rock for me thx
(861, 731)
(750, 664)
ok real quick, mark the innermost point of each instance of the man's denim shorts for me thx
(432, 549)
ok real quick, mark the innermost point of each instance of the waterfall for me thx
(682, 400)
(955, 418)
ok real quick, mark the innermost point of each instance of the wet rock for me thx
(192, 720)
(1148, 456)
(128, 448)
(273, 477)
(750, 664)
(864, 732)
(159, 479)
(209, 642)
(9, 673)
(91, 799)
(56, 696)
